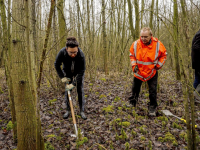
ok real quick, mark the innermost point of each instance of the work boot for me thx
(152, 111)
(132, 101)
(66, 115)
(83, 115)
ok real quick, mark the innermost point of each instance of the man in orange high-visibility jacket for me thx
(147, 55)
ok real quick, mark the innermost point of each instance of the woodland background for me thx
(32, 103)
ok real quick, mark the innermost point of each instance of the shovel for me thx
(73, 116)
(168, 113)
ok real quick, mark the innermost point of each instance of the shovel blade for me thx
(74, 135)
(167, 112)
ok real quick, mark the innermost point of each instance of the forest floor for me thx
(111, 123)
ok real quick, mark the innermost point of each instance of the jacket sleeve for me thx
(162, 56)
(132, 57)
(58, 63)
(196, 51)
(196, 42)
(80, 74)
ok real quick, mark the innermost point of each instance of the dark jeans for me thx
(197, 79)
(152, 83)
(81, 98)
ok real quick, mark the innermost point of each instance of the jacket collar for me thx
(152, 40)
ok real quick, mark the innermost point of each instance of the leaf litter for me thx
(107, 127)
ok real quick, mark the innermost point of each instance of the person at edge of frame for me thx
(195, 53)
(147, 56)
(72, 60)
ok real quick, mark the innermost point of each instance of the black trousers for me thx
(152, 83)
(80, 91)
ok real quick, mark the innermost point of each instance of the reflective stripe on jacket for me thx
(148, 58)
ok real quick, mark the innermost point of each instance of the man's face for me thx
(72, 52)
(145, 36)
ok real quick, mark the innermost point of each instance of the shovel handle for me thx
(71, 106)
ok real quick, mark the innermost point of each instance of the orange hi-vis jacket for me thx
(148, 58)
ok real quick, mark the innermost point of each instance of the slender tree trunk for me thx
(123, 37)
(6, 48)
(158, 19)
(61, 22)
(78, 22)
(151, 15)
(104, 38)
(175, 22)
(130, 18)
(142, 12)
(189, 90)
(32, 70)
(45, 43)
(137, 21)
(5, 38)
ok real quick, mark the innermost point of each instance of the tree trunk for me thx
(142, 12)
(175, 22)
(6, 48)
(5, 38)
(137, 21)
(151, 15)
(191, 97)
(158, 20)
(78, 22)
(23, 81)
(61, 22)
(32, 70)
(104, 38)
(130, 19)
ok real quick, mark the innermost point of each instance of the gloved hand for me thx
(69, 87)
(65, 80)
(136, 68)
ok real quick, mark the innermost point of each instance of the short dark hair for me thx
(71, 42)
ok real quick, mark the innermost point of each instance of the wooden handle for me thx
(72, 109)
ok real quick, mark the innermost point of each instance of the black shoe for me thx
(66, 115)
(83, 115)
(152, 111)
(132, 101)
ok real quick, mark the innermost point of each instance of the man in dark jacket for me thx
(196, 63)
(72, 60)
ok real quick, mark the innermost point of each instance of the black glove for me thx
(136, 68)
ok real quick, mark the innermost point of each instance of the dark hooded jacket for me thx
(196, 51)
(66, 61)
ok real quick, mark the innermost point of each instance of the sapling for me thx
(126, 146)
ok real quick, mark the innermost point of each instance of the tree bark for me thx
(142, 12)
(23, 78)
(6, 48)
(104, 38)
(175, 22)
(78, 22)
(61, 22)
(32, 45)
(191, 97)
(137, 21)
(130, 19)
(151, 15)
